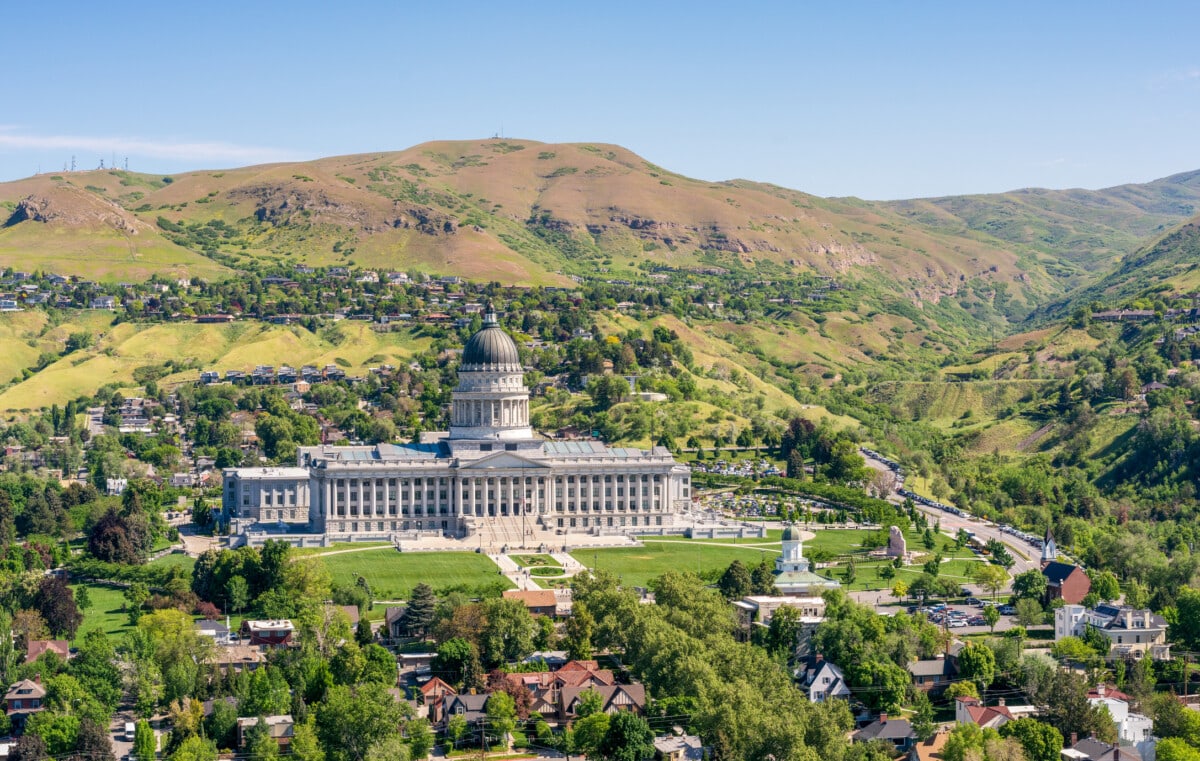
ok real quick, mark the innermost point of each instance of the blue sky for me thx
(878, 100)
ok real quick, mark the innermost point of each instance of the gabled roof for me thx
(1094, 750)
(885, 729)
(615, 696)
(932, 667)
(38, 646)
(533, 598)
(26, 689)
(931, 749)
(437, 685)
(1056, 572)
(992, 717)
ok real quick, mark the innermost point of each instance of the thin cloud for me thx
(1176, 77)
(131, 146)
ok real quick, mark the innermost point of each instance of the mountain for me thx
(1077, 233)
(515, 211)
(1169, 264)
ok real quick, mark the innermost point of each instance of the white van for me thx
(130, 731)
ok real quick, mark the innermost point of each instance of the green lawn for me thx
(175, 560)
(638, 565)
(392, 574)
(336, 547)
(530, 561)
(105, 611)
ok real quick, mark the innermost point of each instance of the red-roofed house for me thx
(39, 646)
(969, 710)
(539, 602)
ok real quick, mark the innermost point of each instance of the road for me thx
(1021, 552)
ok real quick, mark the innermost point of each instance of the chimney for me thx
(820, 658)
(883, 718)
(1100, 689)
(1001, 703)
(1074, 738)
(37, 678)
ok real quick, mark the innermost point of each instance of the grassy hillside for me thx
(1085, 230)
(513, 211)
(120, 349)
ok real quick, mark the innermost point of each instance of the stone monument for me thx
(897, 548)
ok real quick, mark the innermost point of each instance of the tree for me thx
(990, 577)
(589, 733)
(305, 746)
(507, 634)
(899, 589)
(454, 660)
(1175, 749)
(1041, 741)
(195, 748)
(922, 722)
(93, 742)
(56, 602)
(977, 662)
(628, 738)
(420, 737)
(363, 633)
(422, 605)
(1186, 627)
(29, 747)
(962, 690)
(136, 597)
(783, 631)
(762, 579)
(501, 715)
(239, 593)
(352, 719)
(580, 630)
(1030, 585)
(590, 702)
(390, 748)
(735, 583)
(83, 598)
(1029, 612)
(259, 744)
(991, 616)
(456, 729)
(1105, 585)
(882, 684)
(111, 541)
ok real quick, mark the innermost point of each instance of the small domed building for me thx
(490, 474)
(792, 575)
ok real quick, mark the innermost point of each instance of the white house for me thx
(826, 681)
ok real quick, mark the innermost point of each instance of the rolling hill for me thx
(513, 211)
(1076, 232)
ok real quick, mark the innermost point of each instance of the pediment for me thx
(504, 460)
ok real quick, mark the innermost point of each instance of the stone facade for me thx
(489, 469)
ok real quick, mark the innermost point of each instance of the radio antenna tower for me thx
(101, 163)
(72, 163)
(126, 163)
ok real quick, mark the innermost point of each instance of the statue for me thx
(897, 548)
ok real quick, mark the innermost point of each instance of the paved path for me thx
(515, 573)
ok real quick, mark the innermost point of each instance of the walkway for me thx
(515, 573)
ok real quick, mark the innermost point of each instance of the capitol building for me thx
(490, 477)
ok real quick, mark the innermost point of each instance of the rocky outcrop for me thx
(279, 205)
(74, 208)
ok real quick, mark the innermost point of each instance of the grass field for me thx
(106, 611)
(176, 560)
(120, 349)
(638, 565)
(392, 574)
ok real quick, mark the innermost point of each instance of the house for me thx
(898, 732)
(393, 623)
(931, 749)
(349, 611)
(678, 747)
(281, 728)
(269, 633)
(214, 318)
(932, 675)
(37, 647)
(969, 710)
(102, 302)
(473, 708)
(1130, 631)
(1065, 582)
(115, 487)
(1132, 728)
(615, 697)
(826, 681)
(435, 690)
(239, 657)
(23, 698)
(215, 629)
(1091, 749)
(539, 602)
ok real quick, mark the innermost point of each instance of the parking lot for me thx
(967, 617)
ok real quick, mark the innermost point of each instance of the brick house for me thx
(270, 633)
(1065, 582)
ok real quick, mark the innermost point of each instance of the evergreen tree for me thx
(736, 582)
(422, 606)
